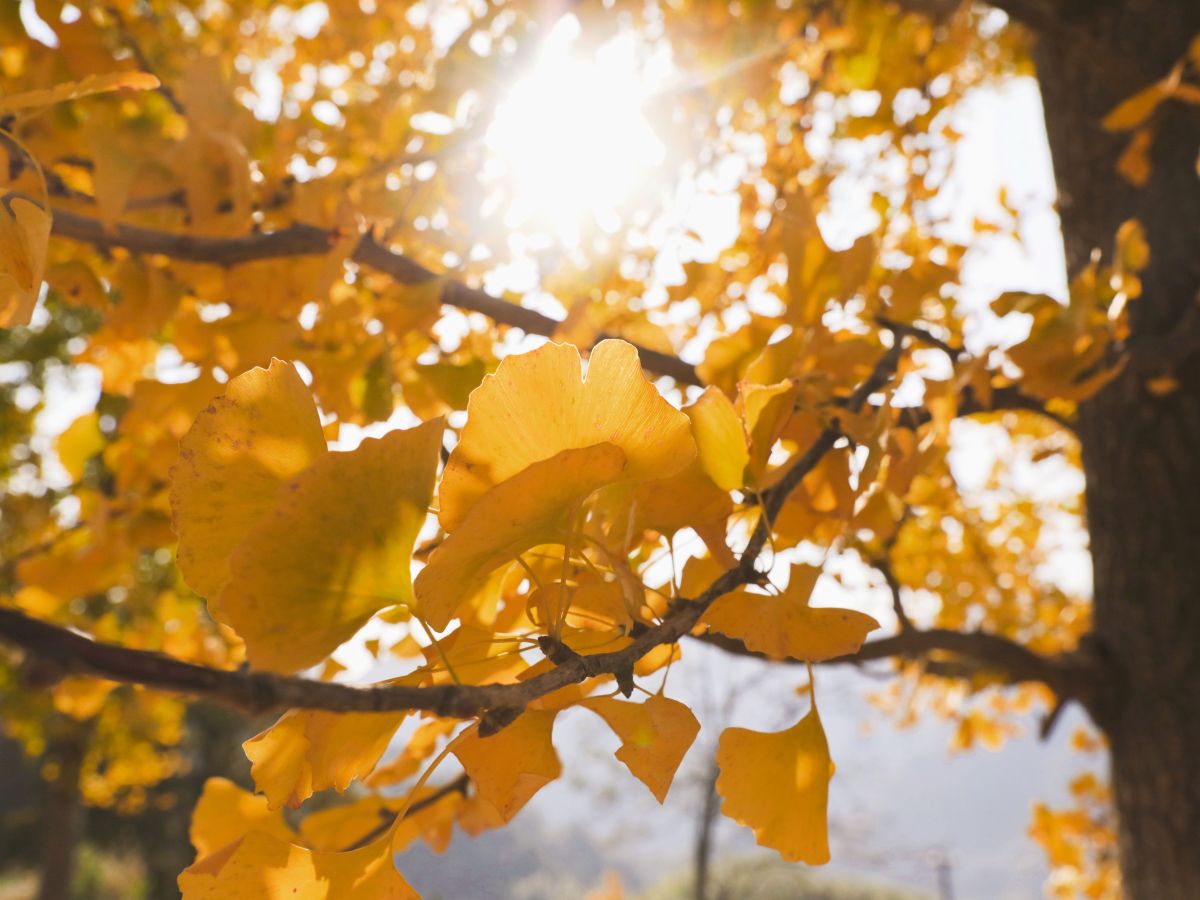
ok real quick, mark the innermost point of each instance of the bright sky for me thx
(571, 136)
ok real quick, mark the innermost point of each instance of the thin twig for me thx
(458, 786)
(309, 240)
(901, 329)
(884, 566)
(139, 55)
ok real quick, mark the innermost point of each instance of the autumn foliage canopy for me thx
(339, 383)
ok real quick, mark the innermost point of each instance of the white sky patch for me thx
(35, 26)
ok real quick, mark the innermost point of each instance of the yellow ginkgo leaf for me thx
(806, 251)
(73, 90)
(422, 744)
(529, 509)
(786, 627)
(766, 410)
(1135, 110)
(80, 441)
(261, 866)
(307, 751)
(654, 735)
(226, 812)
(24, 237)
(537, 405)
(346, 824)
(508, 768)
(471, 655)
(720, 440)
(432, 821)
(242, 447)
(335, 550)
(778, 785)
(686, 499)
(81, 697)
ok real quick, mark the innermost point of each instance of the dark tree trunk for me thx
(702, 856)
(60, 823)
(1141, 452)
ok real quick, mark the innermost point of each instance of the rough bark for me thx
(1141, 452)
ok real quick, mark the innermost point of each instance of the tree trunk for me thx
(702, 855)
(1141, 452)
(60, 823)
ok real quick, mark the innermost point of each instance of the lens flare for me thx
(571, 140)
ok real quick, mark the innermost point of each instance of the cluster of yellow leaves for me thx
(1080, 842)
(563, 492)
(986, 554)
(1073, 350)
(539, 441)
(244, 850)
(24, 225)
(547, 458)
(108, 572)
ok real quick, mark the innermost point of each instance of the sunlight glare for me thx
(571, 139)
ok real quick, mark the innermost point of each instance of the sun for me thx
(571, 139)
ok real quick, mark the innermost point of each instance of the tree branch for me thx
(309, 240)
(53, 651)
(1003, 399)
(1068, 675)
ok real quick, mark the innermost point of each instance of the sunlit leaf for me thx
(241, 449)
(538, 405)
(24, 236)
(1133, 111)
(80, 441)
(309, 751)
(654, 735)
(333, 551)
(510, 767)
(93, 84)
(786, 627)
(778, 785)
(720, 440)
(532, 508)
(261, 865)
(226, 812)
